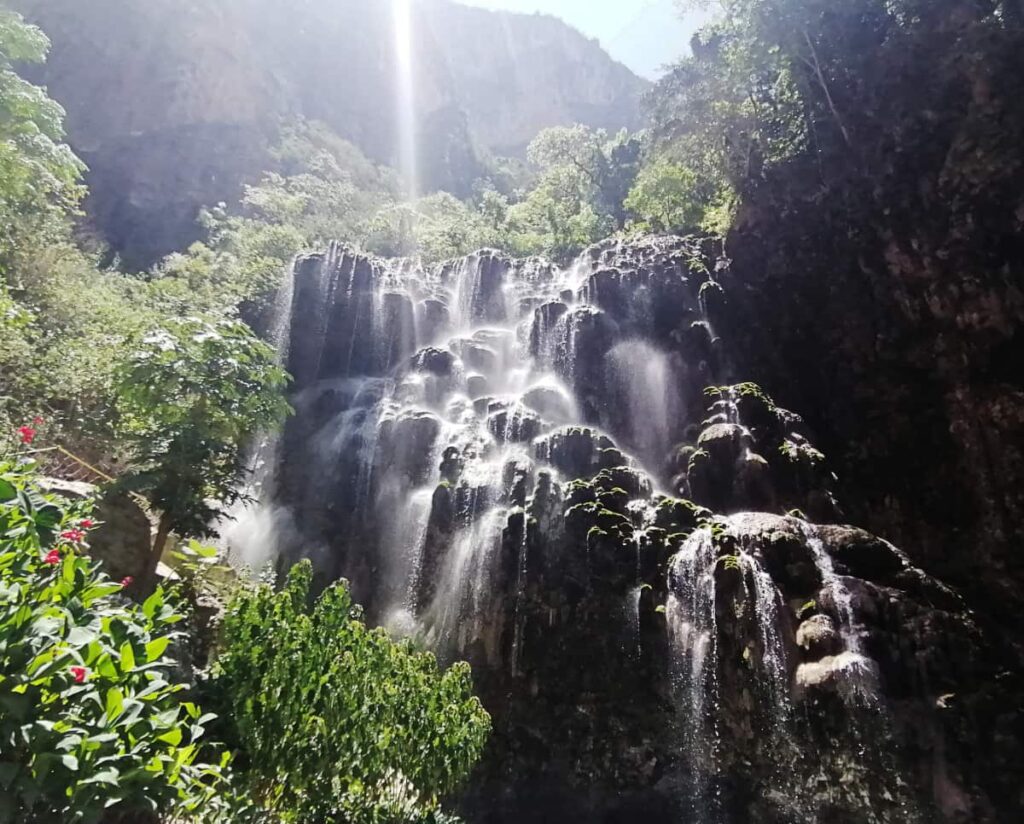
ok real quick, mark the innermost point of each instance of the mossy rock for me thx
(635, 483)
(672, 513)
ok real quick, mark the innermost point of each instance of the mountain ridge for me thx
(180, 108)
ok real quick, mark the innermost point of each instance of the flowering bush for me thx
(90, 717)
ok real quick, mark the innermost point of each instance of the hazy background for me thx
(643, 34)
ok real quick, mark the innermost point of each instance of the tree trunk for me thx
(163, 532)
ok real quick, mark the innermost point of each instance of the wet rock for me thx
(550, 403)
(397, 330)
(574, 450)
(477, 386)
(407, 445)
(818, 637)
(439, 362)
(545, 338)
(434, 319)
(864, 555)
(476, 355)
(515, 425)
(848, 674)
(481, 289)
(634, 482)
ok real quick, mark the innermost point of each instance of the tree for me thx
(191, 396)
(336, 721)
(664, 198)
(39, 174)
(601, 171)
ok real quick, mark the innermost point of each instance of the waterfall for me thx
(691, 616)
(859, 677)
(250, 532)
(482, 448)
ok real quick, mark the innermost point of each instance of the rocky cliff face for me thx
(174, 103)
(879, 290)
(666, 613)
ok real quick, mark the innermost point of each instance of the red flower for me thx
(73, 535)
(127, 582)
(28, 434)
(79, 673)
(87, 523)
(52, 557)
(37, 420)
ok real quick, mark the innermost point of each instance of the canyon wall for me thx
(174, 103)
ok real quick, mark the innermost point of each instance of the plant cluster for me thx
(336, 721)
(324, 719)
(92, 719)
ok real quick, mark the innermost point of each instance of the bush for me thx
(91, 721)
(336, 721)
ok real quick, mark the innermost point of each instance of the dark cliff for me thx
(879, 287)
(173, 104)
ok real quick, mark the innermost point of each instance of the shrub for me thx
(337, 721)
(91, 721)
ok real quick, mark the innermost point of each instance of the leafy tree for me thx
(191, 396)
(38, 173)
(91, 721)
(336, 721)
(664, 198)
(603, 170)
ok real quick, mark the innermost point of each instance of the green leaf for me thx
(68, 567)
(153, 603)
(173, 737)
(127, 657)
(156, 648)
(115, 703)
(81, 637)
(7, 490)
(108, 776)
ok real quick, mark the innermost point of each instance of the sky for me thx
(643, 34)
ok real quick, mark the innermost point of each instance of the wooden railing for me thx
(58, 462)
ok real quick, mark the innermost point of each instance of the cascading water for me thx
(425, 420)
(691, 614)
(461, 452)
(250, 532)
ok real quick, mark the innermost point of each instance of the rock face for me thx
(174, 104)
(648, 570)
(124, 535)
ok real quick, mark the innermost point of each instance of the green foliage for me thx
(91, 720)
(731, 563)
(191, 396)
(38, 173)
(807, 609)
(336, 721)
(582, 181)
(747, 389)
(664, 198)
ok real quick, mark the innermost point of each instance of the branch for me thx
(828, 95)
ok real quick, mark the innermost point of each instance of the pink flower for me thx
(79, 674)
(87, 523)
(73, 535)
(37, 420)
(28, 434)
(52, 557)
(127, 581)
